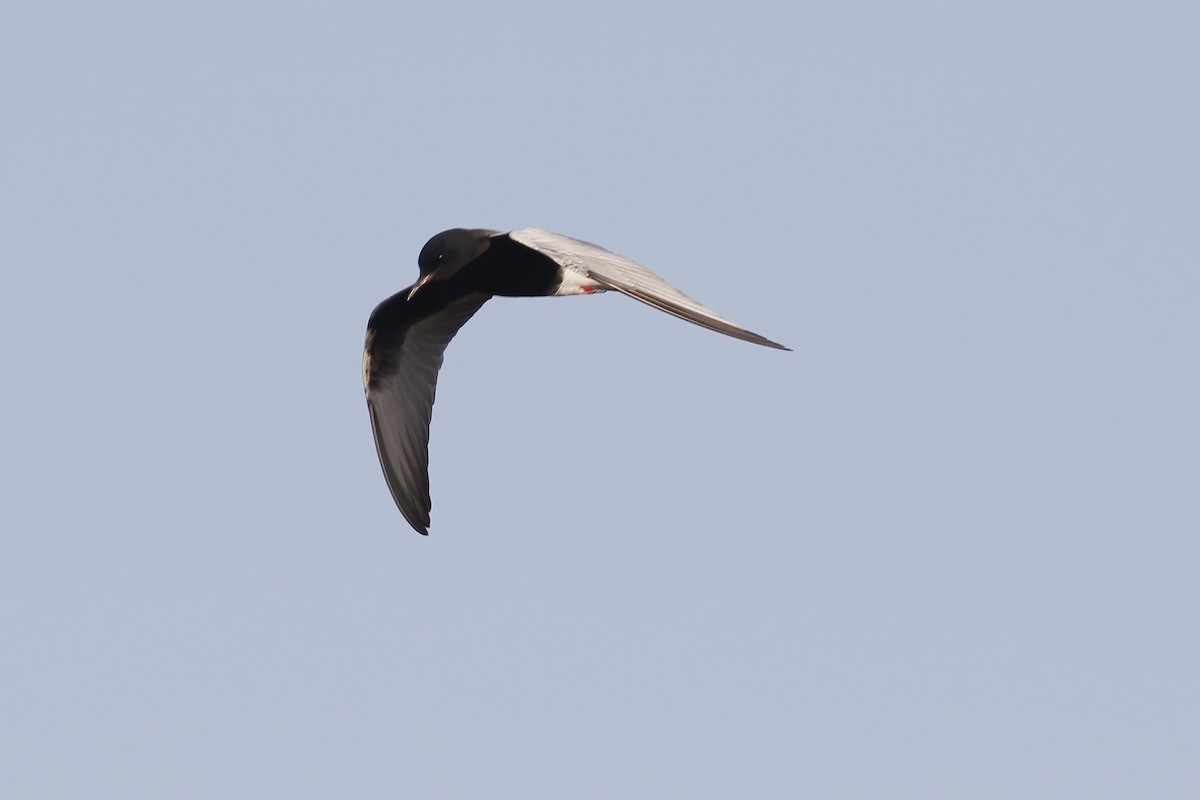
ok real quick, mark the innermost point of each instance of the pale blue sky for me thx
(947, 548)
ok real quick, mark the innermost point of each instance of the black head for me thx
(450, 251)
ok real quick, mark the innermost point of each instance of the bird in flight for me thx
(460, 270)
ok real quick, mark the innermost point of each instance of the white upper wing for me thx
(630, 278)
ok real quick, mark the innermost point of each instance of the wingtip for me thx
(419, 523)
(768, 343)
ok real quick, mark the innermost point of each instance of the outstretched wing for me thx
(632, 279)
(400, 368)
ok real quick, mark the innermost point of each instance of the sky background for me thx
(947, 548)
